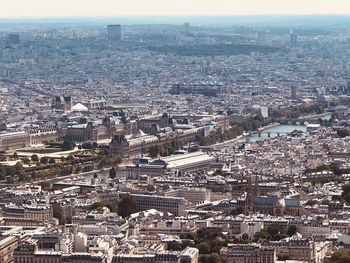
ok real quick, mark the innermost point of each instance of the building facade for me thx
(243, 253)
(14, 140)
(173, 205)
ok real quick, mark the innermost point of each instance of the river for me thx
(273, 132)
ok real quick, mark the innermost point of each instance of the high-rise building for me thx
(114, 32)
(187, 28)
(293, 40)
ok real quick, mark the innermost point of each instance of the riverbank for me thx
(323, 116)
(84, 174)
(241, 137)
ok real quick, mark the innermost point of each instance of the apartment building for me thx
(189, 255)
(7, 247)
(247, 253)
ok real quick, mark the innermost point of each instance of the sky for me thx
(58, 8)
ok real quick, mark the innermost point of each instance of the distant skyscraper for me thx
(187, 28)
(114, 32)
(293, 40)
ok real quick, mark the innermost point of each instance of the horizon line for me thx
(165, 16)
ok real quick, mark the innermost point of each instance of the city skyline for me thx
(65, 8)
(175, 131)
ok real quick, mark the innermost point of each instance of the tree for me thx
(52, 160)
(204, 247)
(103, 162)
(44, 160)
(185, 260)
(339, 257)
(150, 188)
(311, 202)
(26, 160)
(68, 145)
(291, 230)
(78, 169)
(112, 173)
(18, 169)
(103, 151)
(35, 158)
(346, 193)
(335, 169)
(203, 259)
(10, 180)
(262, 234)
(276, 232)
(273, 233)
(87, 145)
(2, 172)
(325, 202)
(237, 211)
(153, 151)
(33, 175)
(126, 206)
(15, 156)
(174, 246)
(22, 177)
(46, 186)
(57, 214)
(216, 245)
(214, 258)
(97, 205)
(70, 158)
(187, 243)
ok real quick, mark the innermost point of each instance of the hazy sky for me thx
(29, 8)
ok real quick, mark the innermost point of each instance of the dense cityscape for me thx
(170, 142)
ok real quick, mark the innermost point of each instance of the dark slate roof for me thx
(292, 203)
(266, 201)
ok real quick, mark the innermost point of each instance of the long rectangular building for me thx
(173, 205)
(184, 162)
(14, 140)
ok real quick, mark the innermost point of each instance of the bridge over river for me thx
(270, 134)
